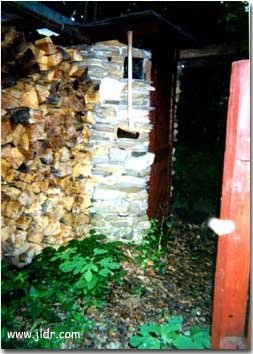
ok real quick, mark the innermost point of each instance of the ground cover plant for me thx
(56, 289)
(107, 290)
(170, 335)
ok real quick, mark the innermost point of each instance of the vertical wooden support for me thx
(163, 67)
(233, 257)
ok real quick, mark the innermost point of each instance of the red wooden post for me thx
(233, 257)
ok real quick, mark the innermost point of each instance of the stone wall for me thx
(120, 167)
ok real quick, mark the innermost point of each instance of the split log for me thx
(6, 132)
(75, 54)
(46, 44)
(20, 137)
(12, 209)
(13, 156)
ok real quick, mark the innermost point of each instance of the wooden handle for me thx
(130, 79)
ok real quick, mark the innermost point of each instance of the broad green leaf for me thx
(78, 267)
(150, 343)
(33, 292)
(81, 283)
(114, 265)
(91, 284)
(104, 272)
(105, 262)
(183, 342)
(172, 327)
(202, 338)
(94, 268)
(149, 328)
(88, 276)
(98, 251)
(167, 337)
(135, 341)
(67, 267)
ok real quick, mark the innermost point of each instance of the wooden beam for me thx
(233, 257)
(211, 51)
(40, 14)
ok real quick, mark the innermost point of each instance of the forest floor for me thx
(170, 274)
(180, 283)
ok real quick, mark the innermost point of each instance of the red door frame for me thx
(233, 257)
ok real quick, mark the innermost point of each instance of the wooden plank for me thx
(161, 136)
(233, 256)
(210, 51)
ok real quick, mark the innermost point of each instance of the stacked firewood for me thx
(46, 168)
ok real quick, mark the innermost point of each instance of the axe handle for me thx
(130, 79)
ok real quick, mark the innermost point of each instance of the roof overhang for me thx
(148, 26)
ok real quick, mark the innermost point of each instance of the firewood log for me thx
(80, 218)
(12, 209)
(26, 198)
(67, 219)
(35, 238)
(13, 156)
(67, 202)
(48, 76)
(46, 44)
(20, 137)
(7, 231)
(81, 204)
(6, 132)
(53, 228)
(81, 169)
(11, 191)
(46, 62)
(23, 222)
(76, 71)
(75, 54)
(7, 172)
(43, 92)
(36, 132)
(27, 177)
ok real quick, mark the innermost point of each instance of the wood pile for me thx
(47, 102)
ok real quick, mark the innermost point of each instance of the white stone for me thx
(140, 163)
(110, 89)
(116, 206)
(138, 207)
(118, 154)
(106, 194)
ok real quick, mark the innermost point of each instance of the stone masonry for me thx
(120, 166)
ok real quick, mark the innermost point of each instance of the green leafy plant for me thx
(170, 335)
(91, 274)
(152, 247)
(55, 290)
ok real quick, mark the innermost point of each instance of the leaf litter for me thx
(179, 283)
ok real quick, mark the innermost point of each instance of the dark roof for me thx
(30, 15)
(142, 23)
(148, 26)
